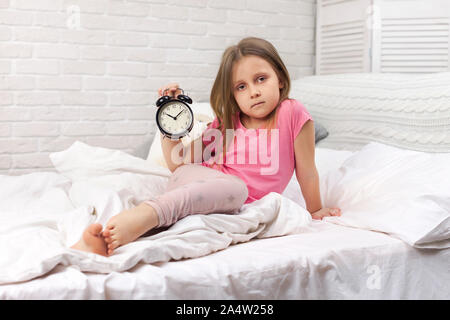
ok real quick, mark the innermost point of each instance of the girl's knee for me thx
(241, 191)
(244, 191)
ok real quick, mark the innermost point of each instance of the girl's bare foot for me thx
(129, 225)
(92, 240)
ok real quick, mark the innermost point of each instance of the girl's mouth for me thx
(257, 104)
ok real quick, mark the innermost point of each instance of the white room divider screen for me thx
(403, 36)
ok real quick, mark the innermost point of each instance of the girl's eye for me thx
(261, 79)
(240, 87)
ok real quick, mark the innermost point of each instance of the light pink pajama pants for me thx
(195, 189)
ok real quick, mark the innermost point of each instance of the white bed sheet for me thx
(328, 262)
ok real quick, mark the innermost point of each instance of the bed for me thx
(384, 162)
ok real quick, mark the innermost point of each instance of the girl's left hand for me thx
(326, 212)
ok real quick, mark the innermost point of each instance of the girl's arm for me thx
(306, 172)
(195, 151)
(191, 153)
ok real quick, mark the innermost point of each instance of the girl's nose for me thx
(255, 93)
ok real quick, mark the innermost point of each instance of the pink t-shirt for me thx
(265, 163)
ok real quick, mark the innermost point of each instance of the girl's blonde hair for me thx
(222, 98)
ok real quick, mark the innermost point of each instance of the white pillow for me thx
(400, 192)
(203, 114)
(203, 108)
(326, 160)
(403, 110)
(82, 161)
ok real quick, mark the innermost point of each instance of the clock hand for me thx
(174, 118)
(179, 114)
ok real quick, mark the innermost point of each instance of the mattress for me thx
(322, 260)
(328, 262)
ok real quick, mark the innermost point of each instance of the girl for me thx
(250, 99)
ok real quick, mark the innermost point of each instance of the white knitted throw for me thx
(409, 111)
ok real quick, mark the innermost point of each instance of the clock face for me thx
(175, 118)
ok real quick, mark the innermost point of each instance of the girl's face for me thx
(256, 86)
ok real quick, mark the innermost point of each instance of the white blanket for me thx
(403, 193)
(43, 214)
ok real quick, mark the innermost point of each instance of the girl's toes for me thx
(114, 244)
(109, 232)
(106, 233)
(335, 212)
(111, 246)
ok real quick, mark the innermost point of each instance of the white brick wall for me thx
(88, 70)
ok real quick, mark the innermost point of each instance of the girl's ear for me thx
(281, 84)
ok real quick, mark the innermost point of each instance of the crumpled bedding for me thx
(43, 214)
(380, 188)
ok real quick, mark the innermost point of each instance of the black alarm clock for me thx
(174, 117)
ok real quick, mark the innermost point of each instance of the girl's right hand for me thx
(171, 90)
(326, 212)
